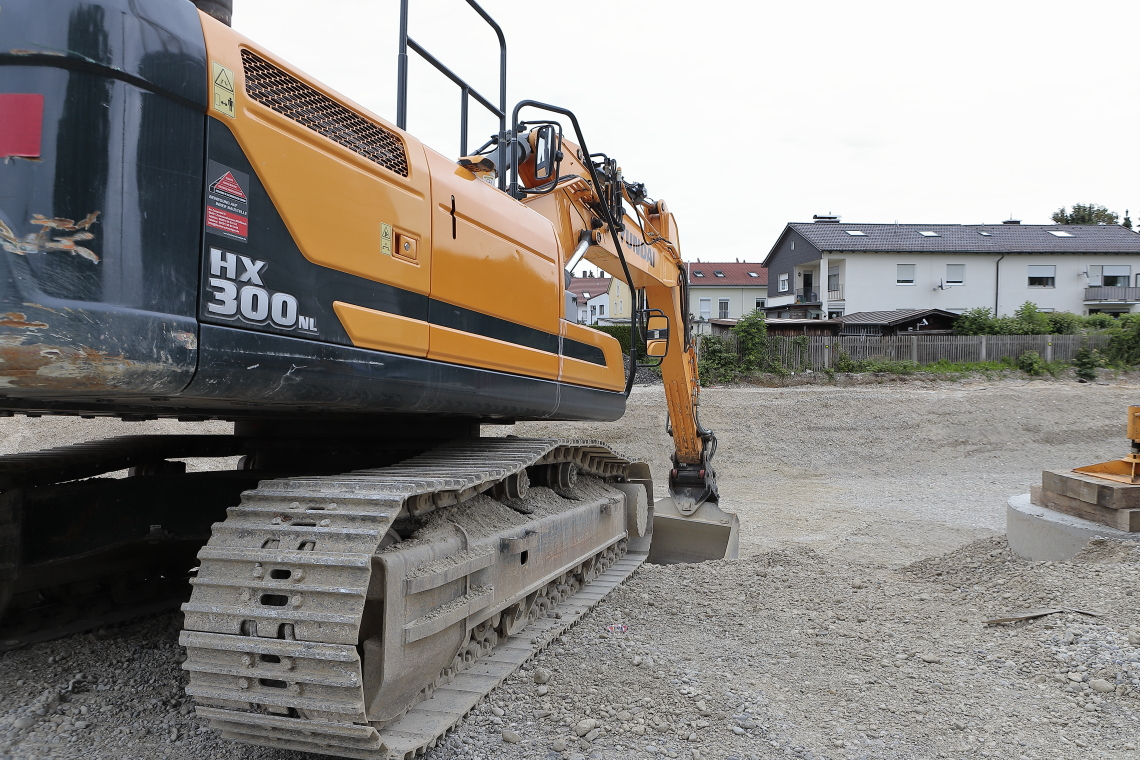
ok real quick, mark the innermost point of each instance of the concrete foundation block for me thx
(1041, 534)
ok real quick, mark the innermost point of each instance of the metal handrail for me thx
(466, 90)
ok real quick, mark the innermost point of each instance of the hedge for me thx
(621, 332)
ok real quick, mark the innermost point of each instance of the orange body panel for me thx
(458, 347)
(610, 377)
(505, 260)
(382, 331)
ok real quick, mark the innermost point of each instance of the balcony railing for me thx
(1112, 293)
(836, 294)
(805, 295)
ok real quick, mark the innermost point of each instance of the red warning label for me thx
(227, 222)
(227, 204)
(227, 185)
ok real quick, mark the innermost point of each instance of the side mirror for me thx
(546, 149)
(655, 332)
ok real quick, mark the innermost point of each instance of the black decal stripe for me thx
(477, 323)
(585, 352)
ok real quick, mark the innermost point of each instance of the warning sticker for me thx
(386, 239)
(227, 202)
(223, 90)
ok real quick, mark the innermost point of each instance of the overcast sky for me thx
(745, 116)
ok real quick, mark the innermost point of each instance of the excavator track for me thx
(58, 599)
(314, 627)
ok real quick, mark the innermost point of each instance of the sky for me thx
(744, 116)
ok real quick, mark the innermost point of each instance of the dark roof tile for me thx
(967, 238)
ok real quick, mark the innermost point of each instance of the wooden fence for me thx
(818, 353)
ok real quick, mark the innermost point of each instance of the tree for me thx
(1127, 220)
(1086, 213)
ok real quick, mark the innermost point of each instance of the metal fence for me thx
(818, 353)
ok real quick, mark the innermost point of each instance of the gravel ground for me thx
(851, 627)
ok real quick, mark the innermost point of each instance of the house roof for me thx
(966, 238)
(586, 288)
(891, 317)
(704, 273)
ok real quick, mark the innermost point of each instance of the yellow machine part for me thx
(1125, 469)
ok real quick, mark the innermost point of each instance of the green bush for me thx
(1100, 321)
(1086, 362)
(978, 321)
(1064, 323)
(719, 361)
(1031, 363)
(1123, 347)
(1028, 320)
(621, 332)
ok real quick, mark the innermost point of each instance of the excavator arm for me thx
(613, 224)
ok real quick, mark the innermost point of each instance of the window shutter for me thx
(1095, 280)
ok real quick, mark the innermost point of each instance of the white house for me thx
(726, 290)
(827, 268)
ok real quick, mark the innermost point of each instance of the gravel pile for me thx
(851, 628)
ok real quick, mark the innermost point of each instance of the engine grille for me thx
(294, 99)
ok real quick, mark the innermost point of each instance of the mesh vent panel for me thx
(273, 88)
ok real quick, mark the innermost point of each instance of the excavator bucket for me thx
(708, 533)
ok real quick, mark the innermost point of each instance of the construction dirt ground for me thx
(871, 552)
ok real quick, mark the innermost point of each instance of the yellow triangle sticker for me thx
(224, 79)
(224, 90)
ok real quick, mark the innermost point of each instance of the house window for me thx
(1042, 275)
(601, 310)
(1116, 276)
(593, 312)
(753, 274)
(784, 283)
(706, 308)
(718, 273)
(904, 274)
(698, 273)
(723, 308)
(832, 279)
(955, 274)
(760, 301)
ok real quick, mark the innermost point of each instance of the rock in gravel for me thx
(498, 711)
(932, 659)
(542, 675)
(24, 722)
(510, 737)
(559, 745)
(1101, 685)
(585, 726)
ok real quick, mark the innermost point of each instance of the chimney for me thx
(825, 219)
(1012, 221)
(222, 10)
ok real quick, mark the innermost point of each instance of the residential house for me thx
(829, 268)
(601, 300)
(592, 294)
(725, 290)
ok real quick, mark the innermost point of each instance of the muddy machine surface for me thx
(191, 228)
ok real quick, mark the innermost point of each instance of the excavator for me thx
(192, 229)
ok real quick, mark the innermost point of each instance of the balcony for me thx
(806, 295)
(836, 294)
(1113, 294)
